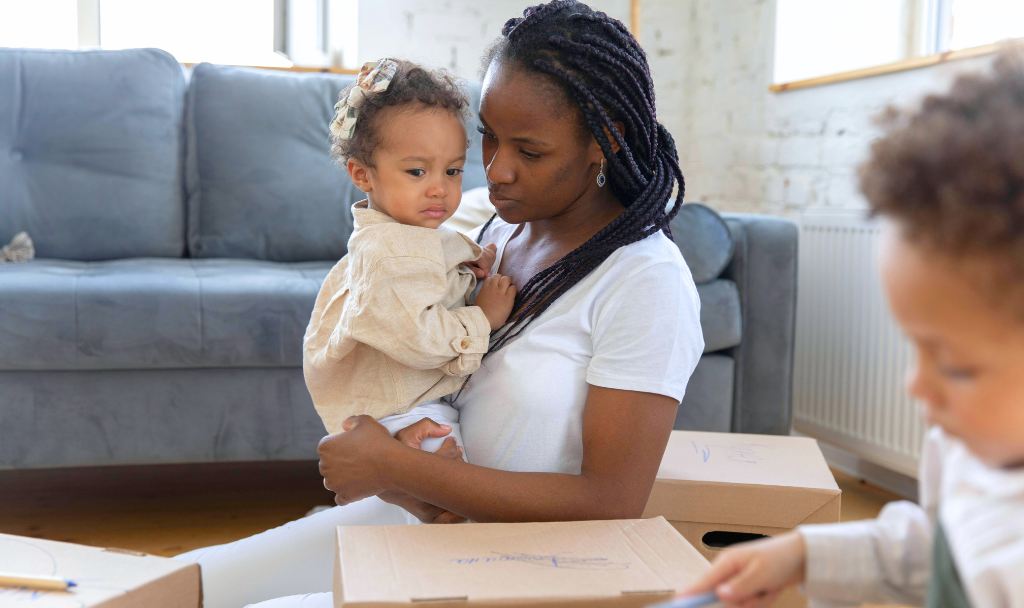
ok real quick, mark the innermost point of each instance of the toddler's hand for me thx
(482, 267)
(496, 297)
(753, 574)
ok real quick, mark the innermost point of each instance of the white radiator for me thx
(850, 355)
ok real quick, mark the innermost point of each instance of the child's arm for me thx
(753, 574)
(496, 297)
(399, 313)
(481, 266)
(885, 560)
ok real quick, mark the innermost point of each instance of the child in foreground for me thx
(391, 332)
(948, 182)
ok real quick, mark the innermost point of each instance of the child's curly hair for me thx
(412, 84)
(952, 173)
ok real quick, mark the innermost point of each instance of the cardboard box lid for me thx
(525, 562)
(109, 577)
(733, 478)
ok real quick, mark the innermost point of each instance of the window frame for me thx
(930, 33)
(911, 63)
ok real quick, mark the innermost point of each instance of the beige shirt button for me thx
(465, 343)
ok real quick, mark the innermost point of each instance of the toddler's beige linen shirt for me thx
(390, 328)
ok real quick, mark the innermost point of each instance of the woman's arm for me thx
(624, 438)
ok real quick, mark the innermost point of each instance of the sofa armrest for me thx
(764, 268)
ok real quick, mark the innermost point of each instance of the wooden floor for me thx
(169, 509)
(861, 500)
(158, 509)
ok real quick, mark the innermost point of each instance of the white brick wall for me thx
(742, 148)
(445, 33)
(745, 149)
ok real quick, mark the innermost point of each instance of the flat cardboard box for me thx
(713, 485)
(107, 578)
(612, 564)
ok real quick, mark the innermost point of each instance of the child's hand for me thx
(496, 297)
(753, 574)
(482, 267)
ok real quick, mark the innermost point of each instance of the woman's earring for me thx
(600, 176)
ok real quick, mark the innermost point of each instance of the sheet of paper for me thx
(100, 574)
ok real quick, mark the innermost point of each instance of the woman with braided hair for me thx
(568, 415)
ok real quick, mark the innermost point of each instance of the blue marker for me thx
(705, 600)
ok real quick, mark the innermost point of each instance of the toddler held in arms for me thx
(391, 331)
(948, 182)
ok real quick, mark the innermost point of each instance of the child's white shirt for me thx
(888, 559)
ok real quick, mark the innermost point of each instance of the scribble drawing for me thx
(558, 560)
(41, 556)
(746, 453)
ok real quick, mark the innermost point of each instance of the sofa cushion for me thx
(707, 405)
(152, 313)
(261, 181)
(475, 175)
(704, 239)
(91, 152)
(160, 313)
(720, 315)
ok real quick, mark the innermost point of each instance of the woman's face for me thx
(539, 161)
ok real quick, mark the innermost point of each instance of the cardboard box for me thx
(111, 578)
(612, 564)
(722, 488)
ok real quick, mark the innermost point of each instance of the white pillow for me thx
(476, 208)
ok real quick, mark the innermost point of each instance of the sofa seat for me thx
(166, 313)
(155, 313)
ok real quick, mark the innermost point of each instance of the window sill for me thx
(897, 66)
(294, 68)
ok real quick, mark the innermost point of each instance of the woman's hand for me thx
(412, 436)
(481, 266)
(352, 463)
(753, 574)
(421, 510)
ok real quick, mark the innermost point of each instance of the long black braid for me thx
(600, 65)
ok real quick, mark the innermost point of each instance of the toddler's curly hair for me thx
(952, 173)
(412, 84)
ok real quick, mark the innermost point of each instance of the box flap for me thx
(771, 460)
(525, 561)
(102, 576)
(759, 480)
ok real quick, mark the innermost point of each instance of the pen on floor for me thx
(705, 600)
(39, 583)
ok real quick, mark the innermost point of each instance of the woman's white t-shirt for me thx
(632, 324)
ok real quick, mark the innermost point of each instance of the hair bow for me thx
(21, 249)
(374, 77)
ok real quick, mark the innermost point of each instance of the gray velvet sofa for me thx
(183, 224)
